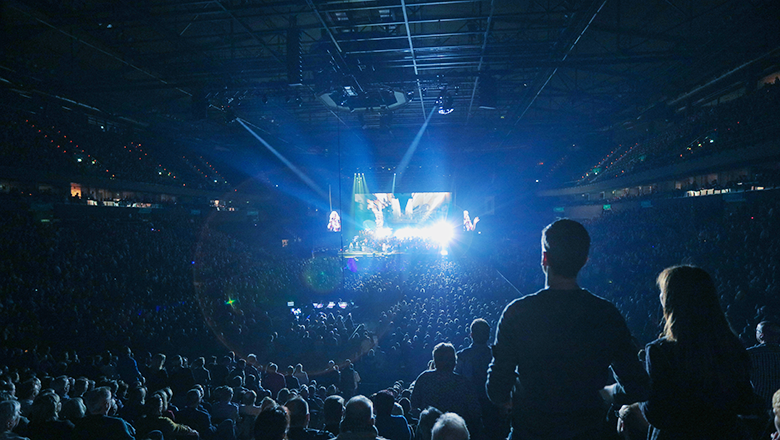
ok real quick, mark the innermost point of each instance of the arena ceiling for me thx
(317, 67)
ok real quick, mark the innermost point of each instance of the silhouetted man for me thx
(98, 425)
(765, 361)
(554, 350)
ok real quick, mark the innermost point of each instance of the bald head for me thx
(358, 415)
(299, 412)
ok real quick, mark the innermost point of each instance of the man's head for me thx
(768, 332)
(61, 385)
(358, 415)
(193, 398)
(272, 424)
(450, 426)
(98, 401)
(565, 246)
(333, 409)
(299, 412)
(480, 331)
(426, 422)
(28, 389)
(383, 403)
(444, 357)
(10, 412)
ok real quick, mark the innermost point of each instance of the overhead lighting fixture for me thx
(350, 91)
(445, 103)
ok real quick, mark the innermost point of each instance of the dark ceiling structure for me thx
(484, 71)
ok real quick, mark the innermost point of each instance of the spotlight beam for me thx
(284, 160)
(413, 147)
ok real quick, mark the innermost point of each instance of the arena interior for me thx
(217, 186)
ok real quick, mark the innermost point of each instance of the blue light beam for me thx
(413, 147)
(284, 160)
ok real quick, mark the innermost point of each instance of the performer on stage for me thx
(468, 225)
(334, 223)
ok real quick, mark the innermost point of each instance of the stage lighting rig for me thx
(347, 98)
(445, 103)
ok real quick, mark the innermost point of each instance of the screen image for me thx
(400, 210)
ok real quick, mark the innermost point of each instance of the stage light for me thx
(442, 233)
(383, 232)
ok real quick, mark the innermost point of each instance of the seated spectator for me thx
(157, 375)
(273, 381)
(98, 424)
(223, 408)
(61, 386)
(358, 421)
(248, 407)
(765, 361)
(80, 386)
(302, 376)
(133, 409)
(776, 410)
(272, 424)
(333, 410)
(291, 382)
(428, 418)
(445, 390)
(267, 403)
(631, 424)
(348, 380)
(389, 426)
(299, 422)
(450, 426)
(247, 411)
(26, 394)
(127, 367)
(10, 413)
(283, 396)
(45, 422)
(200, 374)
(194, 416)
(73, 410)
(154, 420)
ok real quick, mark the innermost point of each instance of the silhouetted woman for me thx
(698, 368)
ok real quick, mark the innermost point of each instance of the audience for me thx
(134, 287)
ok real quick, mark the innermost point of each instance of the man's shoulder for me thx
(545, 297)
(313, 434)
(425, 375)
(194, 412)
(764, 348)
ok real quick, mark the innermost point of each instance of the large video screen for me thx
(400, 210)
